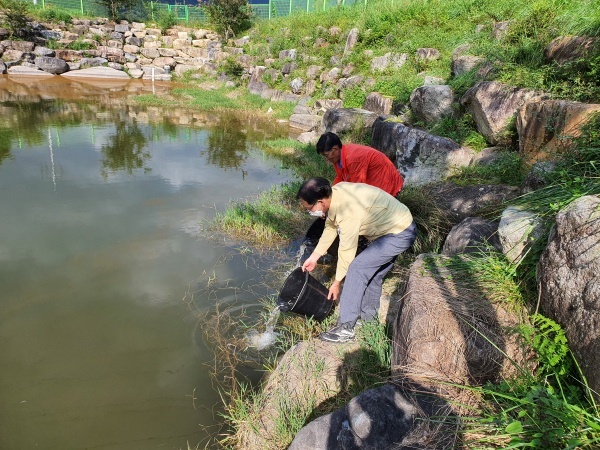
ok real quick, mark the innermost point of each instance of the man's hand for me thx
(311, 262)
(334, 291)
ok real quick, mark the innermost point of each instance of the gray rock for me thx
(536, 178)
(570, 285)
(43, 51)
(257, 87)
(378, 103)
(518, 231)
(289, 68)
(351, 41)
(427, 54)
(465, 63)
(393, 60)
(132, 40)
(288, 54)
(461, 202)
(421, 158)
(569, 48)
(96, 72)
(375, 419)
(313, 72)
(470, 236)
(28, 71)
(494, 107)
(92, 62)
(2, 67)
(52, 34)
(296, 85)
(432, 103)
(345, 119)
(308, 137)
(429, 80)
(121, 28)
(325, 104)
(51, 65)
(305, 122)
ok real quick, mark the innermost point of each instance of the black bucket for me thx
(303, 294)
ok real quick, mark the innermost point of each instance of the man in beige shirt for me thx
(353, 210)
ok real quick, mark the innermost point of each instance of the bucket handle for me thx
(301, 291)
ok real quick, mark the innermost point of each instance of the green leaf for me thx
(514, 427)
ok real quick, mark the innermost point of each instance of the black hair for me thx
(314, 190)
(327, 141)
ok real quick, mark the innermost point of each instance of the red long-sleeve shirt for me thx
(363, 164)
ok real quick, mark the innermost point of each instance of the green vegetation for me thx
(13, 16)
(215, 97)
(165, 19)
(230, 17)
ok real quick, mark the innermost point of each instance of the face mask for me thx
(317, 213)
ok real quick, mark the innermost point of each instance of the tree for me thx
(113, 6)
(230, 16)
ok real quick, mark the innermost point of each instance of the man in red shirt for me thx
(356, 164)
(360, 164)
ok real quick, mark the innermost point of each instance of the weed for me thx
(506, 168)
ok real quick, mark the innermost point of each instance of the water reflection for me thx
(100, 213)
(125, 149)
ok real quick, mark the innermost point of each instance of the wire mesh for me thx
(187, 13)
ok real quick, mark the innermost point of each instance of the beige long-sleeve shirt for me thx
(359, 209)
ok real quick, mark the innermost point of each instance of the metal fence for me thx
(189, 13)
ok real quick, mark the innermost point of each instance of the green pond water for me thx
(104, 264)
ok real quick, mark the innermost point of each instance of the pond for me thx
(103, 262)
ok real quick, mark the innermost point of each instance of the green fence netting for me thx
(189, 13)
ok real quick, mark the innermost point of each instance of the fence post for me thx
(307, 6)
(81, 2)
(270, 6)
(290, 13)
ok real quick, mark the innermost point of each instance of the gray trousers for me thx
(363, 283)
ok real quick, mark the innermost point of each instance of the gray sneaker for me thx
(339, 333)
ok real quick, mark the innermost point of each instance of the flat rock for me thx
(28, 71)
(96, 72)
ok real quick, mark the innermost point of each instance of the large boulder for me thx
(378, 103)
(341, 120)
(569, 48)
(548, 127)
(421, 158)
(296, 381)
(470, 236)
(51, 65)
(518, 230)
(570, 285)
(451, 330)
(494, 106)
(432, 103)
(461, 202)
(375, 419)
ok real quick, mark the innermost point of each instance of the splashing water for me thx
(261, 341)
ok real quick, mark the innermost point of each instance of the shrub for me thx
(53, 14)
(165, 19)
(233, 68)
(230, 16)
